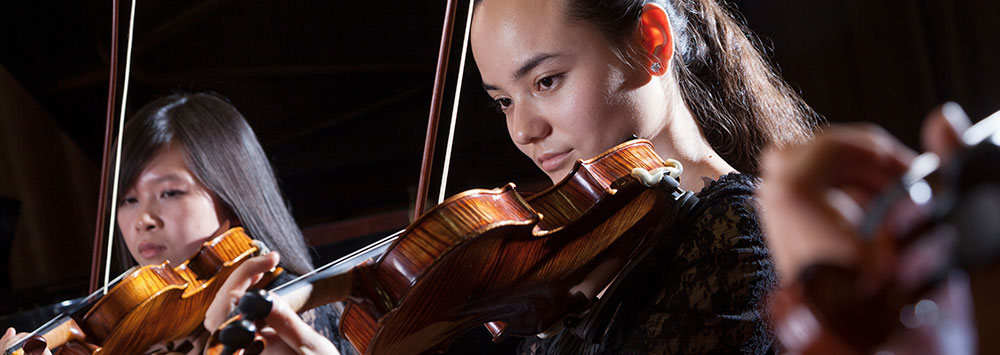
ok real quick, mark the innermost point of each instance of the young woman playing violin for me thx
(192, 166)
(575, 78)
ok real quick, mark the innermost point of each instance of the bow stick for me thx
(436, 100)
(102, 202)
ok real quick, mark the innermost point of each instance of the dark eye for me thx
(548, 82)
(502, 103)
(128, 201)
(171, 193)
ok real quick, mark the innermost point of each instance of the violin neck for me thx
(335, 281)
(57, 332)
(323, 288)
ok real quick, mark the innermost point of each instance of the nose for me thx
(526, 124)
(148, 220)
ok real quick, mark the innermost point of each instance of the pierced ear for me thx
(657, 40)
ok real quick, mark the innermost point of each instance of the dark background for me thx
(338, 91)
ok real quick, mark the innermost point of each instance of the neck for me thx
(681, 138)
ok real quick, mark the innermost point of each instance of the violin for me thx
(154, 303)
(522, 264)
(951, 205)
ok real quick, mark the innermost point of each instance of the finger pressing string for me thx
(247, 274)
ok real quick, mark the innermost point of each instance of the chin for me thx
(558, 176)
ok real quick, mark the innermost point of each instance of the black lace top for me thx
(701, 291)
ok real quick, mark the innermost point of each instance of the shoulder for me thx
(719, 257)
(725, 221)
(732, 183)
(727, 209)
(734, 190)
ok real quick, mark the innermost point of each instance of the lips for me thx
(552, 161)
(150, 250)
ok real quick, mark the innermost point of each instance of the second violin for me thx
(155, 303)
(494, 256)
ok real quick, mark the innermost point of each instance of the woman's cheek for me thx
(124, 220)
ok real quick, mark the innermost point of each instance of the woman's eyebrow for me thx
(531, 64)
(167, 178)
(525, 68)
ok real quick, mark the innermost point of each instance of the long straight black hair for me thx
(223, 153)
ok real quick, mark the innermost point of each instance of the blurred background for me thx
(339, 93)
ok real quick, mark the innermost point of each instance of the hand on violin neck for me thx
(813, 195)
(271, 326)
(247, 274)
(814, 198)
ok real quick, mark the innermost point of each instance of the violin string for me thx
(44, 328)
(373, 248)
(118, 149)
(454, 109)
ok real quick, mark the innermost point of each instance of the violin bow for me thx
(95, 260)
(429, 143)
(454, 108)
(102, 202)
(436, 100)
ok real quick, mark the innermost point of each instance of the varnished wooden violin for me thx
(494, 256)
(153, 303)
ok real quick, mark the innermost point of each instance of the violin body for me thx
(491, 255)
(157, 303)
